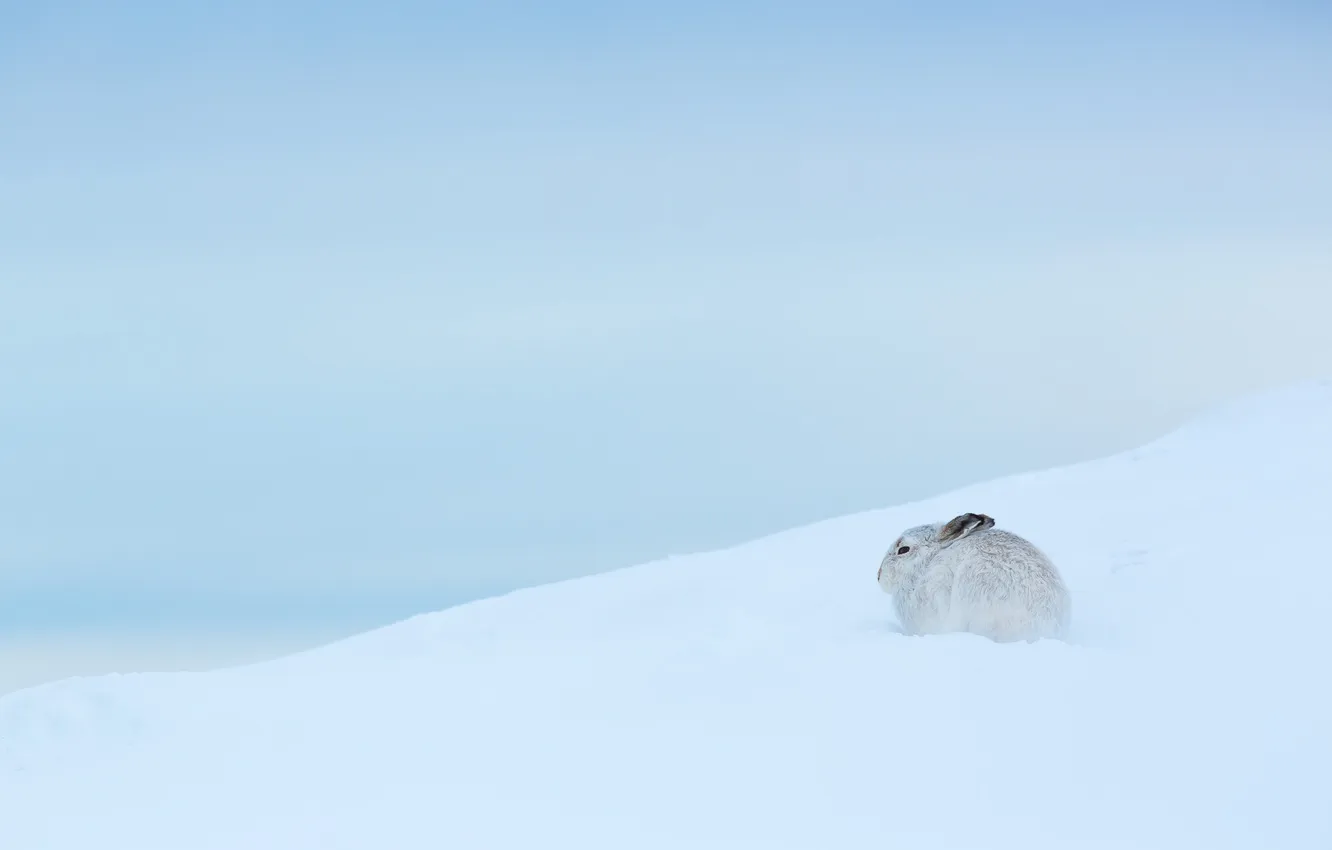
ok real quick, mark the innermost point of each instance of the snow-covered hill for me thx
(760, 698)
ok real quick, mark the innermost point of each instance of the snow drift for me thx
(760, 697)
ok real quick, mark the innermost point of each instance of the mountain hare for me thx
(965, 575)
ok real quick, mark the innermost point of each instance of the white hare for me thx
(965, 575)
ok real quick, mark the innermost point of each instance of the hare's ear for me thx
(960, 526)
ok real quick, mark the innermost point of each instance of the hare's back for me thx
(998, 562)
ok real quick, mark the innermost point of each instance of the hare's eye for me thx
(904, 550)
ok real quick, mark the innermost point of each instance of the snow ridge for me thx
(760, 696)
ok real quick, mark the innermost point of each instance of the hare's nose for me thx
(879, 575)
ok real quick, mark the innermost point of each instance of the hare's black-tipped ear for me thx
(960, 526)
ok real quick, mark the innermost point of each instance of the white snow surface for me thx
(760, 697)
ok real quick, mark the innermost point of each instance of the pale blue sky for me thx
(314, 316)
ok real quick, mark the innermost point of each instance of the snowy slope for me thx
(759, 697)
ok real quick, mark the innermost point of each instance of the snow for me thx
(761, 697)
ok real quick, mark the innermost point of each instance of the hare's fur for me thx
(965, 575)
